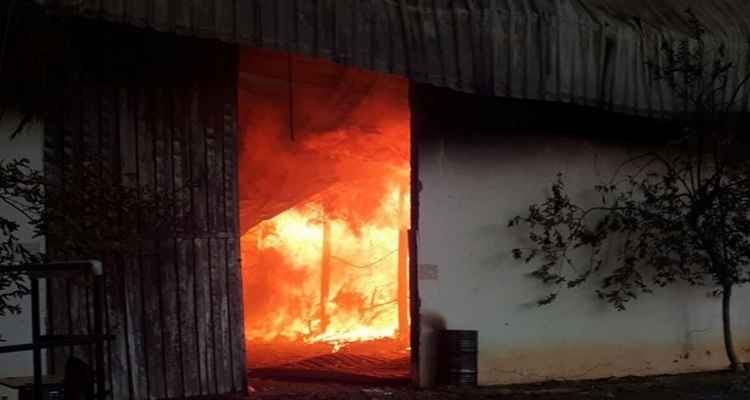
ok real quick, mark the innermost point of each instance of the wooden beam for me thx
(325, 276)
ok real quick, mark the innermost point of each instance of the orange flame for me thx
(364, 261)
(324, 207)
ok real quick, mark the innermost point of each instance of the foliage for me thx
(84, 211)
(21, 187)
(677, 213)
(92, 212)
(21, 193)
(660, 228)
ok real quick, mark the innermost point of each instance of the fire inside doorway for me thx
(324, 215)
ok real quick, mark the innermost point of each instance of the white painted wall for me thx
(469, 194)
(16, 329)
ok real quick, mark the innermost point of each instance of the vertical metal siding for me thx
(589, 52)
(167, 123)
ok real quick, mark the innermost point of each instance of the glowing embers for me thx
(328, 270)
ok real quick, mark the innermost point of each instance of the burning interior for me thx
(324, 180)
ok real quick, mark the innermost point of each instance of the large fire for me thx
(325, 204)
(345, 275)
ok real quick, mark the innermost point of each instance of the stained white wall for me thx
(16, 329)
(469, 192)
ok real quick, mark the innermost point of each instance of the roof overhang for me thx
(589, 52)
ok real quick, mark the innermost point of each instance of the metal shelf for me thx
(39, 342)
(51, 341)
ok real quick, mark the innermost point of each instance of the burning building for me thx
(344, 172)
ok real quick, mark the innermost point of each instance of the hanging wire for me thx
(290, 94)
(368, 265)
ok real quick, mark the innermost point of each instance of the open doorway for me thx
(324, 180)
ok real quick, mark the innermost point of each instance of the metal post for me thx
(99, 333)
(325, 276)
(403, 285)
(35, 333)
(51, 270)
(402, 272)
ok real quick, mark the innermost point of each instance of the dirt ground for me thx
(703, 386)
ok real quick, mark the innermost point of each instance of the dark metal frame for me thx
(415, 302)
(40, 342)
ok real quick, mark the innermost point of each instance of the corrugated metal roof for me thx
(590, 52)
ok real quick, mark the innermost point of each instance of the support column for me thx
(403, 271)
(325, 276)
(403, 284)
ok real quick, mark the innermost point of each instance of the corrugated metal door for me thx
(158, 112)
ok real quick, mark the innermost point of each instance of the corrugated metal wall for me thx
(160, 112)
(589, 52)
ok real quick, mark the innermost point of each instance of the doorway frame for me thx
(415, 189)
